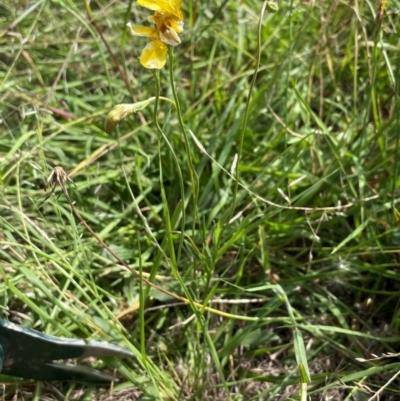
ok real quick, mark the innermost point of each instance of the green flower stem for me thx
(193, 176)
(174, 260)
(246, 113)
(162, 98)
(142, 300)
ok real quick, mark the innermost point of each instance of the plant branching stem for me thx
(155, 286)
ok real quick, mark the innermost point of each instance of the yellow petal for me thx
(168, 27)
(172, 7)
(166, 20)
(140, 30)
(176, 24)
(154, 55)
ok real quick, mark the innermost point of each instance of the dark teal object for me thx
(30, 354)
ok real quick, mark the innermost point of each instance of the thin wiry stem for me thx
(193, 176)
(247, 109)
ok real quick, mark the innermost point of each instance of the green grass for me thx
(296, 245)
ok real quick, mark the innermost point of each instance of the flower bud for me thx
(121, 111)
(272, 7)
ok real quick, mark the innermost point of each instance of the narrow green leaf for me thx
(301, 356)
(353, 235)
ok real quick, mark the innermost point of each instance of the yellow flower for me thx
(172, 7)
(168, 19)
